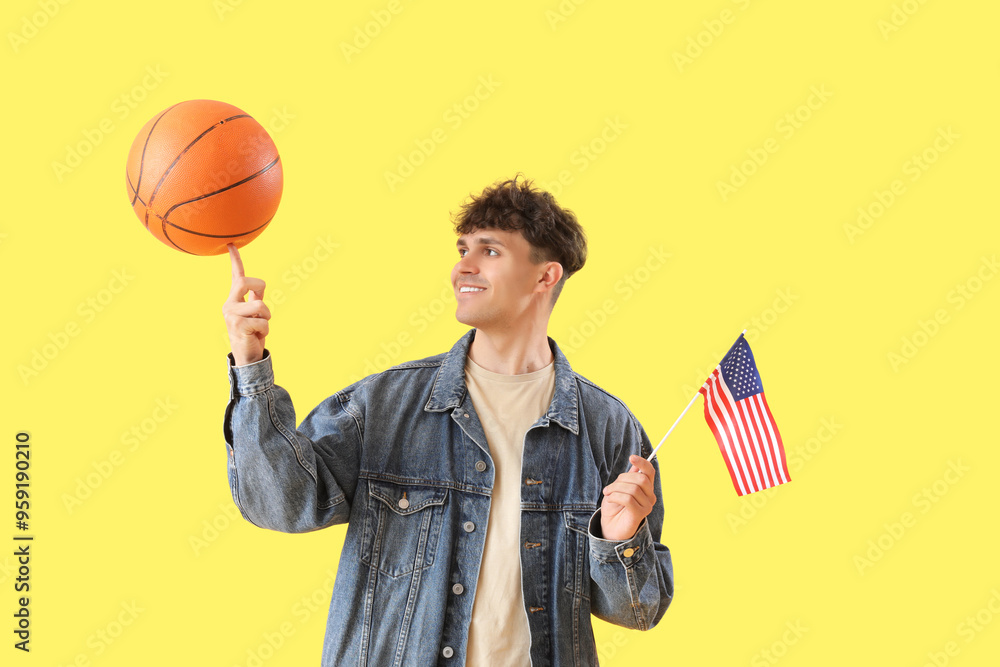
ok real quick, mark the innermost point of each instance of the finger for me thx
(243, 285)
(640, 464)
(249, 309)
(249, 326)
(234, 256)
(629, 503)
(633, 484)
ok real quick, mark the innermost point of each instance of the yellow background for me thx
(854, 555)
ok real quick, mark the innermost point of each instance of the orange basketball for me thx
(202, 174)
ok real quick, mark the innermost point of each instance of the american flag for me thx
(737, 413)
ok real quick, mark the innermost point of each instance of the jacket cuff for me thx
(250, 379)
(627, 552)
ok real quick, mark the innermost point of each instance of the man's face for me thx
(495, 282)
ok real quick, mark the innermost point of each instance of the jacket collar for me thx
(449, 385)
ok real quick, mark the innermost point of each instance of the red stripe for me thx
(718, 439)
(763, 439)
(743, 443)
(779, 445)
(721, 405)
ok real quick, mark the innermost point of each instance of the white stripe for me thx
(736, 410)
(720, 398)
(761, 462)
(710, 403)
(769, 445)
(774, 438)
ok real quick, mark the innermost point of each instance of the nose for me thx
(466, 265)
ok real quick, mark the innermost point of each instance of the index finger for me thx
(642, 465)
(237, 263)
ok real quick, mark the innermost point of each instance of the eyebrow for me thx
(482, 240)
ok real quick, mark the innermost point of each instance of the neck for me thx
(511, 352)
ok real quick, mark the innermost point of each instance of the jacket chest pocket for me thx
(402, 526)
(576, 560)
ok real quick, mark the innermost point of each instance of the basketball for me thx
(202, 174)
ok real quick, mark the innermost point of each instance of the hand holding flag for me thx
(740, 419)
(628, 500)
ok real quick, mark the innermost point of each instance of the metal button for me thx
(458, 589)
(466, 415)
(480, 465)
(447, 652)
(469, 526)
(403, 503)
(628, 552)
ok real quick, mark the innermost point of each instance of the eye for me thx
(461, 252)
(495, 253)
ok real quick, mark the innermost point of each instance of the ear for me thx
(551, 273)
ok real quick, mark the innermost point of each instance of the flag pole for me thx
(693, 398)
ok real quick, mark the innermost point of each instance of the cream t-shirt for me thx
(507, 406)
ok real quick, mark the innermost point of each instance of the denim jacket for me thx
(402, 458)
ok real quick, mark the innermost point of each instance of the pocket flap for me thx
(578, 521)
(406, 498)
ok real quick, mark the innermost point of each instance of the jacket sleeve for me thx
(632, 581)
(283, 478)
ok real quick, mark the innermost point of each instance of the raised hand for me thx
(246, 321)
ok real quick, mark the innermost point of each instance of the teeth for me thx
(471, 289)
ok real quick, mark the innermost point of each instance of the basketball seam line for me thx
(173, 164)
(142, 159)
(220, 236)
(165, 222)
(228, 187)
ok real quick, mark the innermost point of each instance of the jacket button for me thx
(469, 526)
(628, 552)
(458, 589)
(480, 465)
(403, 503)
(447, 652)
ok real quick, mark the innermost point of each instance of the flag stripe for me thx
(720, 436)
(732, 445)
(739, 437)
(763, 451)
(775, 438)
(765, 440)
(755, 438)
(741, 421)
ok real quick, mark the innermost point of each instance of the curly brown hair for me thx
(553, 232)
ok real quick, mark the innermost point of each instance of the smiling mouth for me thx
(471, 290)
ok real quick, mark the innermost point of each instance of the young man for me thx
(494, 498)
